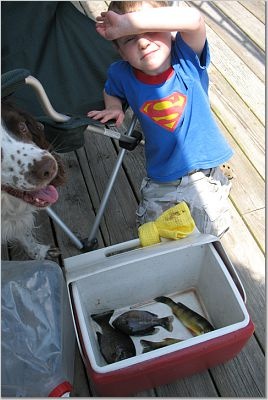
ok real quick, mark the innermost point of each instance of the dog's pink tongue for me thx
(49, 194)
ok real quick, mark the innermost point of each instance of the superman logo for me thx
(167, 111)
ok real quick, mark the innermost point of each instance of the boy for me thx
(163, 77)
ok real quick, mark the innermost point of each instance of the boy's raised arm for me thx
(186, 20)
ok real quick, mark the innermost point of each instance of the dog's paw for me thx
(53, 252)
(42, 252)
(38, 251)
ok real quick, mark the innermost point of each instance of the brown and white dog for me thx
(29, 176)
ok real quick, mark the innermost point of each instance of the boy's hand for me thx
(109, 25)
(106, 115)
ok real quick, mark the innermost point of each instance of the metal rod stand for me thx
(65, 228)
(91, 242)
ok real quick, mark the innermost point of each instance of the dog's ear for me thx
(37, 131)
(22, 123)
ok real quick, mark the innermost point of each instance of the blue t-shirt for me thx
(173, 108)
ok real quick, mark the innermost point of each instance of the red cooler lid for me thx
(61, 389)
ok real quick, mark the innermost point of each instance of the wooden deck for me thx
(235, 31)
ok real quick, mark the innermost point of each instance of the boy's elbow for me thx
(197, 20)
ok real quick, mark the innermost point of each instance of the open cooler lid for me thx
(83, 265)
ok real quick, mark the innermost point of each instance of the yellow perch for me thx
(189, 318)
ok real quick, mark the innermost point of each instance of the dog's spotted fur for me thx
(29, 174)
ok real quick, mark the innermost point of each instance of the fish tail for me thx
(146, 345)
(106, 315)
(167, 323)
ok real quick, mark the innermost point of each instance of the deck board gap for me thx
(238, 94)
(214, 383)
(240, 146)
(247, 225)
(257, 209)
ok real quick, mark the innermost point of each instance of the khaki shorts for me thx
(205, 192)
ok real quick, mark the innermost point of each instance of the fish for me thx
(141, 322)
(195, 322)
(114, 344)
(149, 346)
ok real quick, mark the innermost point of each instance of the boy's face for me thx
(149, 52)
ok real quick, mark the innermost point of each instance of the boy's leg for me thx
(155, 199)
(206, 196)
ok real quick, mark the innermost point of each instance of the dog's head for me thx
(28, 169)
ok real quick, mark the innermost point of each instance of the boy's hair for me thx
(123, 7)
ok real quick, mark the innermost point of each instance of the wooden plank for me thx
(241, 123)
(256, 7)
(249, 263)
(74, 208)
(249, 87)
(43, 233)
(243, 376)
(236, 39)
(257, 219)
(246, 21)
(145, 393)
(244, 81)
(248, 188)
(198, 385)
(4, 252)
(80, 383)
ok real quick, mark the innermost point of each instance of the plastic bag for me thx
(37, 332)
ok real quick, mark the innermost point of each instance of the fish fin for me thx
(159, 298)
(169, 341)
(146, 346)
(153, 331)
(167, 322)
(104, 315)
(153, 314)
(162, 299)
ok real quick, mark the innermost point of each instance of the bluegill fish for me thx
(149, 346)
(139, 322)
(190, 319)
(114, 345)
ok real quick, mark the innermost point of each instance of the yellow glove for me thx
(174, 223)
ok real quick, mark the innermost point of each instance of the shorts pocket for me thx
(212, 216)
(209, 204)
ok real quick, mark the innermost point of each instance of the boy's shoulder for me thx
(119, 65)
(185, 55)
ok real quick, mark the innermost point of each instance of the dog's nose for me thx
(45, 169)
